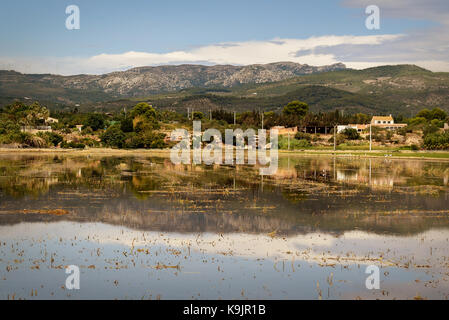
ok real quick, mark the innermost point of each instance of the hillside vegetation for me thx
(401, 89)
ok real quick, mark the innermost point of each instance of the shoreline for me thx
(390, 154)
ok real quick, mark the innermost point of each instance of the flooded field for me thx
(142, 228)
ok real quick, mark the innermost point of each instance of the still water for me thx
(142, 228)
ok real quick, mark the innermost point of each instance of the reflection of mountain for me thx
(163, 213)
(306, 194)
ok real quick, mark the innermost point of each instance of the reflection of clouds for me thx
(354, 247)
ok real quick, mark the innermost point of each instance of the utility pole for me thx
(234, 118)
(188, 113)
(335, 138)
(262, 120)
(370, 138)
(289, 142)
(210, 114)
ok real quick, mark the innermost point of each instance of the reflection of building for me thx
(376, 182)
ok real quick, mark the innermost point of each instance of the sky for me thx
(119, 35)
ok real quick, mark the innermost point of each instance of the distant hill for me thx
(386, 89)
(143, 81)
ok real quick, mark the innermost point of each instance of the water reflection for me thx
(141, 227)
(306, 194)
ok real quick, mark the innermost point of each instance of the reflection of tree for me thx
(294, 197)
(302, 196)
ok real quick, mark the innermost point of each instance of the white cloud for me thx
(356, 52)
(427, 47)
(236, 53)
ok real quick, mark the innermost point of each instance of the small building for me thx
(285, 131)
(51, 120)
(386, 122)
(358, 127)
(35, 129)
(317, 129)
(380, 120)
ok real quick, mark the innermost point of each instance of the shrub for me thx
(403, 131)
(35, 141)
(339, 139)
(147, 139)
(303, 136)
(436, 141)
(294, 143)
(134, 141)
(429, 129)
(86, 131)
(8, 126)
(72, 145)
(14, 137)
(153, 140)
(89, 142)
(351, 134)
(52, 139)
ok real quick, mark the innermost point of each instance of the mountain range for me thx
(386, 89)
(144, 81)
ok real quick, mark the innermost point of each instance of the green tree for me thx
(417, 121)
(144, 110)
(198, 115)
(95, 121)
(296, 109)
(424, 113)
(126, 124)
(439, 114)
(361, 118)
(36, 114)
(113, 137)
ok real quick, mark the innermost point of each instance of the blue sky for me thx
(115, 35)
